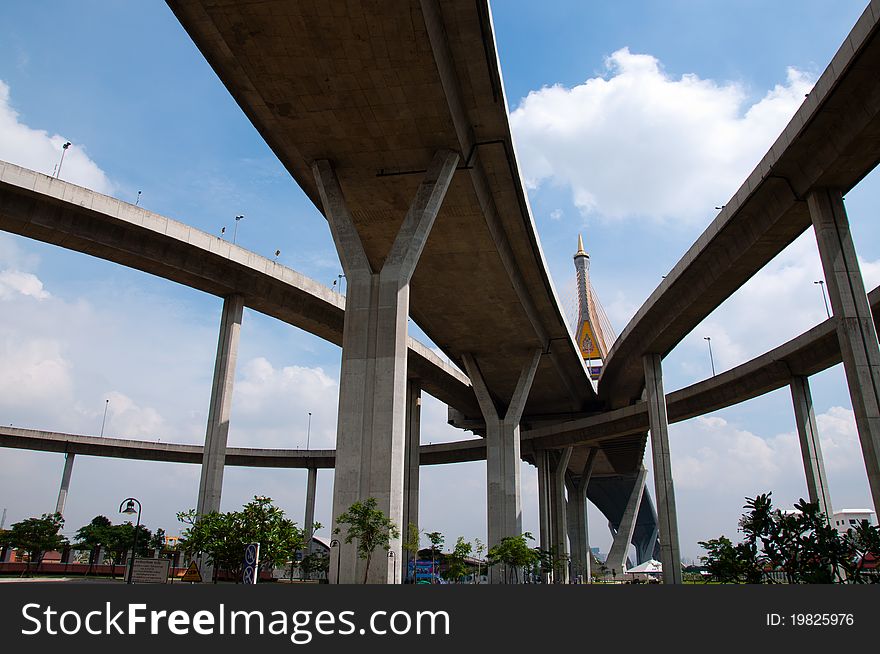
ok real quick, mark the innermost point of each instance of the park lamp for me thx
(129, 509)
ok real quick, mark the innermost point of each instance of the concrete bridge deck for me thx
(377, 92)
(40, 207)
(807, 354)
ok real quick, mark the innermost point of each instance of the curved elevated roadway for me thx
(53, 211)
(376, 90)
(377, 95)
(807, 354)
(832, 141)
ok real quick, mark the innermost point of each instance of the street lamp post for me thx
(335, 543)
(63, 150)
(391, 561)
(235, 230)
(711, 358)
(129, 510)
(309, 430)
(104, 420)
(821, 283)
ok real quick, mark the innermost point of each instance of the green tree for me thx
(457, 566)
(513, 552)
(93, 537)
(437, 541)
(36, 536)
(479, 548)
(861, 541)
(122, 540)
(315, 563)
(411, 547)
(224, 536)
(215, 534)
(369, 525)
(731, 564)
(157, 540)
(801, 544)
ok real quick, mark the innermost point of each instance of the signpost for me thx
(192, 574)
(150, 571)
(251, 570)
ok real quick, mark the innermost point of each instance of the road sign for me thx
(150, 571)
(192, 574)
(251, 571)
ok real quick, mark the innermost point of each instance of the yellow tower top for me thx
(581, 252)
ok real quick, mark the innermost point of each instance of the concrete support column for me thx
(855, 325)
(7, 554)
(370, 438)
(66, 554)
(503, 503)
(578, 523)
(616, 560)
(667, 518)
(560, 522)
(214, 456)
(411, 466)
(545, 533)
(65, 482)
(309, 519)
(811, 450)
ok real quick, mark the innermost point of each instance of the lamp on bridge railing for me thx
(821, 283)
(235, 230)
(63, 150)
(104, 420)
(711, 358)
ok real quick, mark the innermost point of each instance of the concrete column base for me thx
(309, 515)
(667, 519)
(855, 325)
(578, 523)
(371, 426)
(616, 559)
(214, 455)
(558, 511)
(65, 482)
(811, 449)
(411, 469)
(545, 522)
(503, 502)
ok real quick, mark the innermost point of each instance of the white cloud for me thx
(35, 373)
(780, 302)
(35, 149)
(126, 419)
(716, 464)
(18, 282)
(640, 143)
(271, 406)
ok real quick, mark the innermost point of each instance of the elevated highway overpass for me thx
(395, 125)
(399, 86)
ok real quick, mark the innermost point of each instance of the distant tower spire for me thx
(593, 330)
(581, 252)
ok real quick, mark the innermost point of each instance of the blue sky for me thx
(633, 120)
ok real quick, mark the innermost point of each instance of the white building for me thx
(849, 518)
